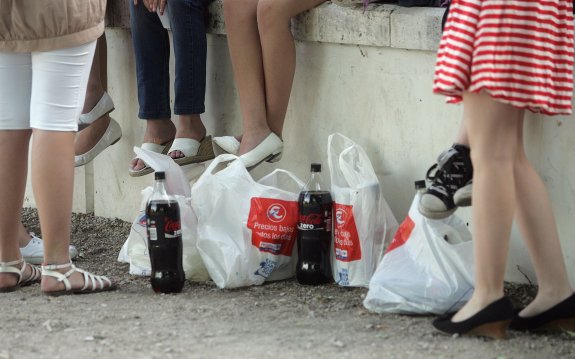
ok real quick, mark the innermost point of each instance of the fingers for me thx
(162, 6)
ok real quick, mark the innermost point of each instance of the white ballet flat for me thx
(269, 150)
(103, 107)
(226, 144)
(111, 136)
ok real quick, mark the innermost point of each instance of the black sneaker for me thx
(452, 172)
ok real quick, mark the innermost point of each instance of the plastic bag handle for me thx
(277, 171)
(226, 157)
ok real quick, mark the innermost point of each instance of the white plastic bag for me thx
(428, 268)
(246, 230)
(135, 249)
(363, 221)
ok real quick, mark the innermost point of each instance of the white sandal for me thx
(194, 151)
(92, 283)
(10, 267)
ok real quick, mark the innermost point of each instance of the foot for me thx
(547, 314)
(158, 132)
(67, 279)
(33, 249)
(452, 172)
(269, 150)
(542, 303)
(189, 126)
(250, 140)
(88, 137)
(490, 321)
(16, 273)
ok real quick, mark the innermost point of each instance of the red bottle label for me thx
(346, 240)
(273, 223)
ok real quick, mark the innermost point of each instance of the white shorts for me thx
(44, 90)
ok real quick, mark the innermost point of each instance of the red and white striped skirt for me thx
(520, 52)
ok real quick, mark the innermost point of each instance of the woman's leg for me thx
(278, 57)
(539, 231)
(492, 129)
(190, 51)
(152, 52)
(16, 74)
(246, 55)
(88, 137)
(58, 89)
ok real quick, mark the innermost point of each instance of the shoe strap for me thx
(11, 264)
(89, 278)
(51, 267)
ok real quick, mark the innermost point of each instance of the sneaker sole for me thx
(435, 215)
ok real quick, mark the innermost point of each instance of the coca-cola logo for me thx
(312, 218)
(276, 212)
(171, 226)
(340, 217)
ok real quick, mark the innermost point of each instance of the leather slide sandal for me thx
(148, 146)
(194, 151)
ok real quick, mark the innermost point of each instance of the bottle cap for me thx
(316, 167)
(419, 184)
(160, 175)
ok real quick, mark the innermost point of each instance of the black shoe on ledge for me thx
(559, 317)
(492, 321)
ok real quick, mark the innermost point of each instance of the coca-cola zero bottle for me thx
(164, 239)
(314, 231)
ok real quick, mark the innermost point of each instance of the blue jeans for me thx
(152, 52)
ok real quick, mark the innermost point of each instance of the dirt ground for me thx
(281, 320)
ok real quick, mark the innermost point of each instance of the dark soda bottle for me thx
(314, 231)
(164, 239)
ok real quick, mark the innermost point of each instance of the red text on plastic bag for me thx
(273, 223)
(346, 239)
(402, 234)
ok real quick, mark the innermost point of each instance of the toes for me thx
(176, 154)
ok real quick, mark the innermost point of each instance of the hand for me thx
(155, 5)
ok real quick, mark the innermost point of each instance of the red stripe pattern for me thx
(518, 51)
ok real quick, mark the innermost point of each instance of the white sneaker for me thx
(33, 253)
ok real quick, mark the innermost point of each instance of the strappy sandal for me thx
(92, 283)
(10, 267)
(194, 151)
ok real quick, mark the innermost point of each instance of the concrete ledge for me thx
(380, 25)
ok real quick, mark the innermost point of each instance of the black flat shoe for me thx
(559, 317)
(491, 321)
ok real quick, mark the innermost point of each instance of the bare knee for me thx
(271, 14)
(239, 10)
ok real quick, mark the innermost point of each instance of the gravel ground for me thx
(282, 319)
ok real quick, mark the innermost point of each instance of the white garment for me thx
(44, 90)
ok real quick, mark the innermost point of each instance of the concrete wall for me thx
(365, 74)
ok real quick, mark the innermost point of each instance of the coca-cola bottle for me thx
(164, 239)
(314, 231)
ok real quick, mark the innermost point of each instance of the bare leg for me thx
(246, 55)
(461, 138)
(539, 231)
(97, 84)
(13, 154)
(279, 58)
(53, 181)
(492, 127)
